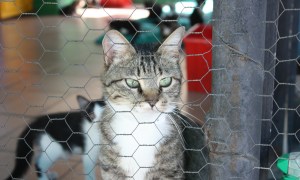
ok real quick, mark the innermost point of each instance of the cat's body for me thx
(57, 136)
(154, 147)
(140, 133)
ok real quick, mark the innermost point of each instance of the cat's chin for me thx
(147, 115)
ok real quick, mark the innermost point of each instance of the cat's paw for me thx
(52, 175)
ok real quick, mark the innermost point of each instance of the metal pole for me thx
(233, 126)
(270, 60)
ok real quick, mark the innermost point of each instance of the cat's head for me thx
(91, 110)
(141, 79)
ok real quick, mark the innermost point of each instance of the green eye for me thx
(132, 83)
(165, 82)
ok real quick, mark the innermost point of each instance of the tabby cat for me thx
(140, 131)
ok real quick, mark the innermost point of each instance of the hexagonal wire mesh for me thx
(51, 52)
(253, 88)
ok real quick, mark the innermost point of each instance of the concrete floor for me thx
(45, 63)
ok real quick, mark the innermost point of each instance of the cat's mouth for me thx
(154, 107)
(143, 106)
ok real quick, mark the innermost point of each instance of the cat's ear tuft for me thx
(83, 102)
(172, 44)
(116, 47)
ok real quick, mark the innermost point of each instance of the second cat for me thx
(57, 136)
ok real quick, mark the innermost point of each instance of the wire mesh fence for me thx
(220, 102)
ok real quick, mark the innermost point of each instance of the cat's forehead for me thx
(146, 49)
(145, 65)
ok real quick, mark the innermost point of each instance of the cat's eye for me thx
(165, 82)
(132, 83)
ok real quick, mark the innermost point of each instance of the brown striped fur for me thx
(147, 66)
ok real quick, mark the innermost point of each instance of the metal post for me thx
(233, 126)
(270, 60)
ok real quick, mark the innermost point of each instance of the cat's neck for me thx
(138, 135)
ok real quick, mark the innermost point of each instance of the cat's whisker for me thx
(183, 120)
(177, 103)
(185, 106)
(182, 104)
(177, 128)
(189, 114)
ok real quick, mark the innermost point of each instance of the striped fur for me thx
(139, 132)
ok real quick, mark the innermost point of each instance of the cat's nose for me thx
(152, 103)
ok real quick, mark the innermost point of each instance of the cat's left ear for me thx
(83, 102)
(171, 46)
(116, 48)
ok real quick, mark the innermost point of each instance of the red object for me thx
(198, 49)
(116, 3)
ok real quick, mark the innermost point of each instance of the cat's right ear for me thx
(116, 48)
(170, 48)
(83, 102)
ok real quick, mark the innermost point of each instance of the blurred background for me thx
(50, 52)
